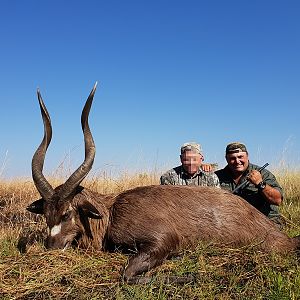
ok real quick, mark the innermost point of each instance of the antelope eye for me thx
(66, 216)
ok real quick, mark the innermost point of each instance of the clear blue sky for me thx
(168, 72)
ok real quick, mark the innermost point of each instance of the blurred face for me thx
(237, 162)
(191, 161)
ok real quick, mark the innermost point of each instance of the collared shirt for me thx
(251, 193)
(178, 176)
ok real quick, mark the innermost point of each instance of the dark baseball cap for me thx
(235, 148)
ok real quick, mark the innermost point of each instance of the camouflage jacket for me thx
(178, 176)
(251, 193)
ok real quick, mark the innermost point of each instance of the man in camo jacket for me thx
(190, 171)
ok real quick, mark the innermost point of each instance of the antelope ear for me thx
(90, 210)
(37, 207)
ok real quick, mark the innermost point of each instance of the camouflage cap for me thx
(235, 148)
(191, 146)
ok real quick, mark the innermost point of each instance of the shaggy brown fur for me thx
(155, 221)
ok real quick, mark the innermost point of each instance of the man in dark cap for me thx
(190, 172)
(263, 190)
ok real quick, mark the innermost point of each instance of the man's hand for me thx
(207, 167)
(272, 195)
(255, 177)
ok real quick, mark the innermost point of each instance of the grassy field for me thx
(209, 272)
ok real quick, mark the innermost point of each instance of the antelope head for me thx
(65, 208)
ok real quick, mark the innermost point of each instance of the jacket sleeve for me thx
(166, 179)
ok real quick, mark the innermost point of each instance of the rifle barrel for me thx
(245, 183)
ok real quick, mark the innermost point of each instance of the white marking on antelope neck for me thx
(55, 230)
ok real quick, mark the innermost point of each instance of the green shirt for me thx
(251, 193)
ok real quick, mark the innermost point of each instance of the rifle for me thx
(246, 183)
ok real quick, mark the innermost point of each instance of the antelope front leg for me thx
(143, 262)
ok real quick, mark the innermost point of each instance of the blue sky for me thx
(168, 72)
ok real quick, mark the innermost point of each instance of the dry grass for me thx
(214, 272)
